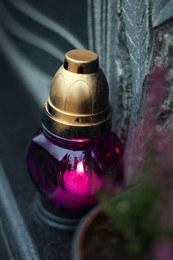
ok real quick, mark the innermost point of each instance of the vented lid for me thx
(78, 104)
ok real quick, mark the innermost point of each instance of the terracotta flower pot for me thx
(96, 238)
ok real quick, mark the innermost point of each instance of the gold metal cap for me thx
(78, 105)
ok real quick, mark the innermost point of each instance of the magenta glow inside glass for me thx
(75, 154)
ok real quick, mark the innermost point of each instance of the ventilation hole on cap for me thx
(66, 64)
(77, 120)
(80, 70)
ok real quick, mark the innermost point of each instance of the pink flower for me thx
(162, 250)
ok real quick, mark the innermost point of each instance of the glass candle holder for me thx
(69, 172)
(75, 153)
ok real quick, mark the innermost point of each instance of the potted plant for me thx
(138, 222)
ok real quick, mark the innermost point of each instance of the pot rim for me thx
(80, 232)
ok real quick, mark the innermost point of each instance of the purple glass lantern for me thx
(75, 154)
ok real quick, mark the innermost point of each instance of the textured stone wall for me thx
(132, 36)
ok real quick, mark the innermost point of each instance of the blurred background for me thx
(36, 34)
